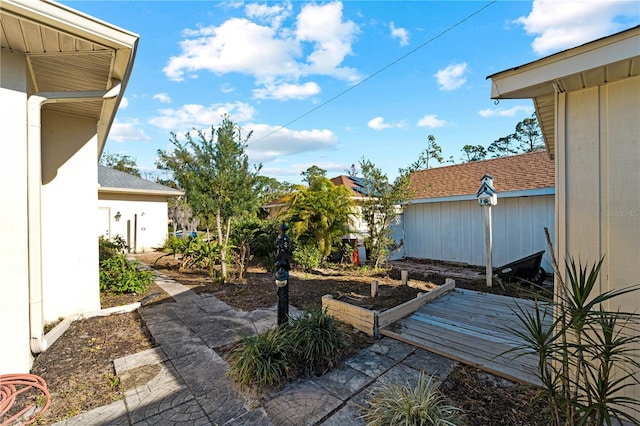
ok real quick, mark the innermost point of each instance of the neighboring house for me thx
(133, 208)
(445, 222)
(358, 228)
(587, 100)
(62, 77)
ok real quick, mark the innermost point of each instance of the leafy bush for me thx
(172, 245)
(262, 360)
(264, 239)
(307, 257)
(106, 248)
(402, 405)
(119, 275)
(318, 341)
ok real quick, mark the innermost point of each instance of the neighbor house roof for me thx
(524, 172)
(601, 61)
(355, 185)
(115, 181)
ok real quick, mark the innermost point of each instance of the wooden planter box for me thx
(369, 321)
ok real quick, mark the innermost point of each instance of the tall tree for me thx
(432, 153)
(528, 135)
(269, 189)
(124, 163)
(473, 153)
(214, 172)
(320, 213)
(502, 147)
(384, 202)
(312, 173)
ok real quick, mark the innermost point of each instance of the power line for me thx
(450, 28)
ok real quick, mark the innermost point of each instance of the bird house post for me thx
(487, 197)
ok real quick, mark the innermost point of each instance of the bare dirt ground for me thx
(79, 370)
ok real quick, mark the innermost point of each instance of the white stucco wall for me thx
(598, 185)
(69, 247)
(145, 213)
(15, 356)
(454, 231)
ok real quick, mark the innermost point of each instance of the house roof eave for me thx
(111, 190)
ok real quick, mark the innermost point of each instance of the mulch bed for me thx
(79, 366)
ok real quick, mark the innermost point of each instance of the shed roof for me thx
(515, 173)
(110, 180)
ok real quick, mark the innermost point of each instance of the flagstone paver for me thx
(183, 381)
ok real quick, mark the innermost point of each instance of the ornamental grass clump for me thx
(587, 357)
(261, 361)
(318, 341)
(397, 404)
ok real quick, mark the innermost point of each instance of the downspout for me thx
(35, 102)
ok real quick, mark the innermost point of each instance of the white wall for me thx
(598, 185)
(15, 355)
(151, 220)
(454, 231)
(69, 198)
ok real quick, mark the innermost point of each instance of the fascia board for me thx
(471, 197)
(76, 23)
(110, 190)
(511, 83)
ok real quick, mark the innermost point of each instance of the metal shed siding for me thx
(454, 231)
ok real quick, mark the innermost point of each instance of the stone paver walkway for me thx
(183, 380)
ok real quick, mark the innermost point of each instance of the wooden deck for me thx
(469, 327)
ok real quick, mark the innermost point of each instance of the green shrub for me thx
(264, 241)
(106, 248)
(307, 257)
(119, 275)
(318, 341)
(262, 360)
(402, 405)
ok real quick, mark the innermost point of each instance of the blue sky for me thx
(348, 79)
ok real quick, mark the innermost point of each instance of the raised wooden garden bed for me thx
(369, 321)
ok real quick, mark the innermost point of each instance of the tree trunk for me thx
(223, 247)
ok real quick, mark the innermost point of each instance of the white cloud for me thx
(287, 91)
(431, 121)
(502, 112)
(560, 25)
(379, 124)
(274, 15)
(400, 33)
(322, 25)
(129, 131)
(262, 47)
(267, 146)
(124, 102)
(451, 77)
(162, 97)
(199, 116)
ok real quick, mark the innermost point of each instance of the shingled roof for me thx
(110, 180)
(515, 173)
(355, 185)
